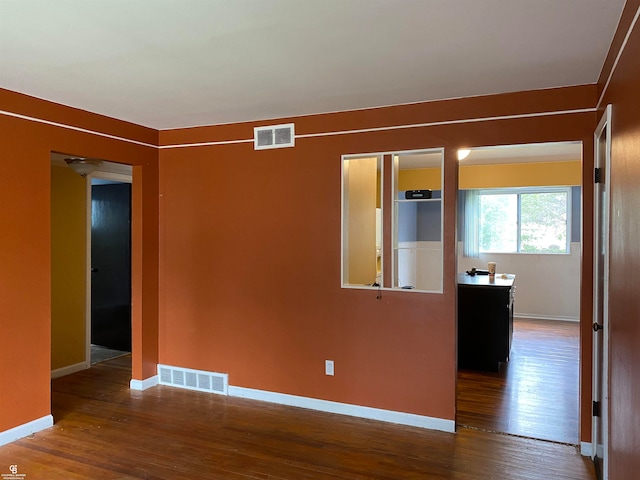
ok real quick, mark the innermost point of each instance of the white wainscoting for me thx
(547, 286)
(420, 265)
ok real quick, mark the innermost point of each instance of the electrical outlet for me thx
(328, 367)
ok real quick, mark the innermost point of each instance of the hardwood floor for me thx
(103, 430)
(536, 393)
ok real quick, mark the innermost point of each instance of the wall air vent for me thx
(193, 379)
(273, 136)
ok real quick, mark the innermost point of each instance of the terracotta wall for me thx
(250, 251)
(623, 92)
(25, 244)
(246, 277)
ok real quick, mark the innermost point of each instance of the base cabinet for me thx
(485, 322)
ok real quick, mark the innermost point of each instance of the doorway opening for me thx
(110, 262)
(520, 207)
(74, 292)
(110, 265)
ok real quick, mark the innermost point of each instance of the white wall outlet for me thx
(328, 367)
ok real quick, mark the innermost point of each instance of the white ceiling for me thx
(178, 63)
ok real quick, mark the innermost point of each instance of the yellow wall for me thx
(68, 291)
(360, 255)
(420, 179)
(533, 174)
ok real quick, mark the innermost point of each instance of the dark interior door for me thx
(111, 266)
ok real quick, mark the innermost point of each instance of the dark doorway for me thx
(111, 266)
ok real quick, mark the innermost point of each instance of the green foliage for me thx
(543, 226)
(498, 223)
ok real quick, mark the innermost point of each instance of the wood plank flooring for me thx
(103, 430)
(536, 393)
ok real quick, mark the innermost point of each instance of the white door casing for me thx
(602, 163)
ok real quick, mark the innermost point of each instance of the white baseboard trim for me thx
(585, 449)
(533, 316)
(410, 419)
(25, 429)
(69, 369)
(143, 384)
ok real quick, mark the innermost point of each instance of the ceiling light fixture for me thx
(463, 153)
(83, 166)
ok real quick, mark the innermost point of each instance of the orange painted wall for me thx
(623, 93)
(250, 253)
(250, 285)
(25, 243)
(245, 278)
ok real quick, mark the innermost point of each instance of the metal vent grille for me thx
(204, 381)
(178, 377)
(274, 136)
(193, 379)
(283, 136)
(165, 375)
(265, 138)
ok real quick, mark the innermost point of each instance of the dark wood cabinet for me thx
(485, 321)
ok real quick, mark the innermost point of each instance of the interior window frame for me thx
(394, 217)
(387, 168)
(344, 219)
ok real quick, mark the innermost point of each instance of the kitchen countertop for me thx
(483, 280)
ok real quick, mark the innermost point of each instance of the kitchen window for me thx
(522, 220)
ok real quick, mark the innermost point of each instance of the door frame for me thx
(601, 216)
(583, 343)
(106, 171)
